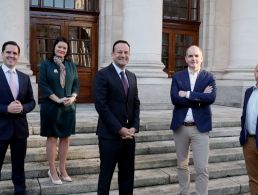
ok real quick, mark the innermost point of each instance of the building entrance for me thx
(83, 50)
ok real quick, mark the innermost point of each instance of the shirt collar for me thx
(192, 72)
(6, 69)
(118, 69)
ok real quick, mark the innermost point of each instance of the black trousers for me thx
(18, 152)
(112, 153)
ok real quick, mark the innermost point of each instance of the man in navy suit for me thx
(192, 92)
(117, 103)
(249, 134)
(15, 101)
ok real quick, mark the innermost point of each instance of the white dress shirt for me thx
(7, 75)
(192, 77)
(252, 112)
(118, 70)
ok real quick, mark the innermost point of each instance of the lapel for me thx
(5, 83)
(130, 82)
(21, 81)
(67, 78)
(248, 95)
(186, 80)
(117, 80)
(198, 79)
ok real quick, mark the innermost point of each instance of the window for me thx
(77, 5)
(174, 45)
(80, 41)
(180, 30)
(46, 35)
(184, 10)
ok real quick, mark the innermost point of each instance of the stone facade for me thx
(15, 27)
(227, 36)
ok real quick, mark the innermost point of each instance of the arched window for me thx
(180, 30)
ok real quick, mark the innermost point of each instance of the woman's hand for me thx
(69, 100)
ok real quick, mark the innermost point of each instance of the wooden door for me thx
(43, 34)
(81, 36)
(174, 45)
(83, 44)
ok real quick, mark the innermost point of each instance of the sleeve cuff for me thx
(187, 94)
(74, 95)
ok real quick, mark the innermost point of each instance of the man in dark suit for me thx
(117, 103)
(249, 134)
(16, 100)
(192, 92)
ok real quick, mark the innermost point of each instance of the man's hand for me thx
(132, 130)
(182, 93)
(127, 133)
(15, 107)
(208, 89)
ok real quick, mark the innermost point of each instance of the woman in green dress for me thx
(58, 83)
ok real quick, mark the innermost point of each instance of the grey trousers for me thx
(186, 137)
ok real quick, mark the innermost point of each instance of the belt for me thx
(188, 124)
(254, 136)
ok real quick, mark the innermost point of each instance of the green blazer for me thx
(49, 79)
(57, 120)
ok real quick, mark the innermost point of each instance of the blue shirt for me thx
(252, 112)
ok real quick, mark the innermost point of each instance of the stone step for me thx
(155, 160)
(143, 136)
(32, 187)
(92, 139)
(35, 154)
(225, 132)
(237, 185)
(154, 181)
(149, 161)
(83, 127)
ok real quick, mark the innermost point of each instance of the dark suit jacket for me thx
(114, 108)
(15, 124)
(244, 132)
(199, 102)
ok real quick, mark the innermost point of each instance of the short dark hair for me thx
(57, 40)
(120, 41)
(11, 43)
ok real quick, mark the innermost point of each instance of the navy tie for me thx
(124, 82)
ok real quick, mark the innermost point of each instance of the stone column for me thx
(142, 28)
(244, 42)
(14, 26)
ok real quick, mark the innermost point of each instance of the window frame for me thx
(190, 8)
(173, 26)
(87, 9)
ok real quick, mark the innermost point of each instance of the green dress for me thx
(57, 120)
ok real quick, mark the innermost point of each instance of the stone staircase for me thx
(155, 157)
